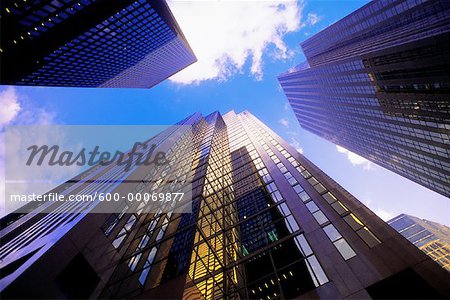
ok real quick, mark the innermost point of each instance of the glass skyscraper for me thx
(376, 83)
(265, 224)
(430, 237)
(86, 43)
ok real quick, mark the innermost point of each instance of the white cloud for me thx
(366, 201)
(37, 116)
(284, 122)
(9, 102)
(287, 106)
(224, 35)
(386, 215)
(383, 214)
(355, 159)
(312, 19)
(10, 105)
(296, 144)
(15, 111)
(292, 133)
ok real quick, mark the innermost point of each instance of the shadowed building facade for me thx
(265, 224)
(430, 237)
(377, 83)
(130, 43)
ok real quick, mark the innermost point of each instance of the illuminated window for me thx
(353, 221)
(368, 237)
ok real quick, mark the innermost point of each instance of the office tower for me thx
(430, 237)
(376, 83)
(265, 224)
(85, 43)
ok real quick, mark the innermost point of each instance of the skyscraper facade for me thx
(430, 237)
(376, 83)
(131, 43)
(265, 224)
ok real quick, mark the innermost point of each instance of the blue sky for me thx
(239, 59)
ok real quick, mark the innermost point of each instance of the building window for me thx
(124, 232)
(339, 242)
(148, 264)
(368, 237)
